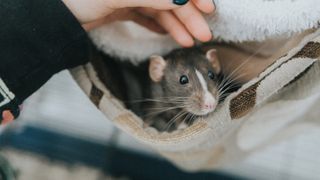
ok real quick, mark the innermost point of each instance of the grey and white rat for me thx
(168, 91)
(184, 86)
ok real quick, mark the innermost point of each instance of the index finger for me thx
(194, 22)
(206, 6)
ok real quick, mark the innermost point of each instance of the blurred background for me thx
(61, 135)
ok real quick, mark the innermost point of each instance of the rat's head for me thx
(188, 78)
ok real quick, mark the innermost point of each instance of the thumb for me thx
(155, 4)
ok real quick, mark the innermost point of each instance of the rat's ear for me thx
(156, 68)
(213, 59)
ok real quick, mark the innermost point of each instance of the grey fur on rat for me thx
(153, 89)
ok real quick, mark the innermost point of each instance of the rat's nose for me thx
(209, 106)
(209, 102)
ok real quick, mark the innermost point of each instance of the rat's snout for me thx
(202, 100)
(208, 105)
(209, 102)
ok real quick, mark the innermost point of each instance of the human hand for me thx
(183, 23)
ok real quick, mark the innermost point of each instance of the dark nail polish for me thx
(180, 2)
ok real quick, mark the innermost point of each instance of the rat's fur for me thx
(184, 101)
(166, 103)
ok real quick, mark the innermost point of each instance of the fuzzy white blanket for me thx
(234, 20)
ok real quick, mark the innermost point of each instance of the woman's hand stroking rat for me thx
(183, 20)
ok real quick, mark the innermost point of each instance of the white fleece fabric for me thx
(234, 20)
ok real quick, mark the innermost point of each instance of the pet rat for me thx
(166, 92)
(184, 86)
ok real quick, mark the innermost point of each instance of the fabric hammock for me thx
(280, 103)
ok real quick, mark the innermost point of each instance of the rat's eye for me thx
(210, 74)
(184, 79)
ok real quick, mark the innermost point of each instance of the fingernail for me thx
(180, 2)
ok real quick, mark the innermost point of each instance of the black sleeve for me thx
(38, 38)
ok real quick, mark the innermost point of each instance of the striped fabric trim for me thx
(5, 95)
(8, 111)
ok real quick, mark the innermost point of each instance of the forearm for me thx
(38, 38)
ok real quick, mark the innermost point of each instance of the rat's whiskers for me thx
(175, 118)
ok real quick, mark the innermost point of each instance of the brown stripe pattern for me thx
(246, 100)
(310, 50)
(96, 95)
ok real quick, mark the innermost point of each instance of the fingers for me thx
(206, 6)
(171, 24)
(175, 28)
(158, 4)
(147, 22)
(186, 24)
(182, 22)
(193, 20)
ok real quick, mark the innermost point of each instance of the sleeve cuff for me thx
(9, 107)
(37, 40)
